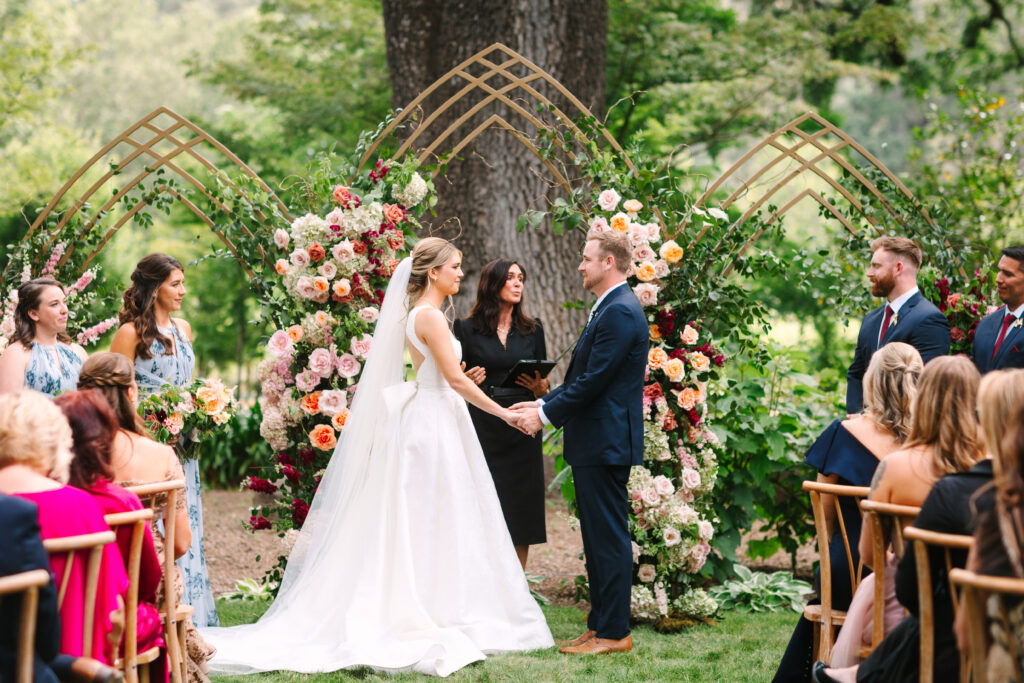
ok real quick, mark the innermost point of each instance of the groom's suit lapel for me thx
(591, 326)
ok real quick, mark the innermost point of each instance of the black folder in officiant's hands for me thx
(528, 368)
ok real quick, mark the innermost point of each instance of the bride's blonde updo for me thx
(430, 253)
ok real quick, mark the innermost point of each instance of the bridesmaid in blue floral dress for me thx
(161, 347)
(39, 354)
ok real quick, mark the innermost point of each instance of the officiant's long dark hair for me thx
(487, 308)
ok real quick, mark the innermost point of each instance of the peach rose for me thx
(645, 271)
(214, 405)
(342, 195)
(670, 251)
(323, 318)
(321, 285)
(311, 403)
(674, 369)
(396, 240)
(339, 419)
(282, 266)
(620, 222)
(689, 335)
(316, 252)
(174, 423)
(953, 299)
(393, 214)
(655, 333)
(295, 333)
(700, 362)
(656, 358)
(687, 398)
(342, 288)
(632, 205)
(322, 437)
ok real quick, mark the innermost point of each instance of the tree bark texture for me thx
(496, 179)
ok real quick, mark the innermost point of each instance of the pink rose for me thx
(650, 497)
(689, 335)
(599, 225)
(663, 485)
(608, 200)
(300, 258)
(343, 251)
(304, 286)
(281, 238)
(321, 362)
(643, 252)
(361, 347)
(671, 536)
(348, 366)
(653, 232)
(335, 217)
(369, 314)
(646, 573)
(328, 270)
(705, 530)
(306, 381)
(280, 344)
(660, 268)
(647, 293)
(637, 234)
(690, 478)
(332, 402)
(636, 551)
(282, 267)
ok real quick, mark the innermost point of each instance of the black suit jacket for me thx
(21, 549)
(600, 404)
(1011, 351)
(918, 323)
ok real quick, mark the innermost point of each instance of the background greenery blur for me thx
(932, 89)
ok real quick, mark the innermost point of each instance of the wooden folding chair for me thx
(922, 541)
(27, 584)
(975, 589)
(133, 659)
(879, 516)
(824, 618)
(92, 546)
(174, 615)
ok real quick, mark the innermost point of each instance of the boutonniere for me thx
(1018, 323)
(895, 319)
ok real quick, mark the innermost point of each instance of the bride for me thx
(404, 562)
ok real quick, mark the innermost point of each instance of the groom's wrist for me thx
(540, 413)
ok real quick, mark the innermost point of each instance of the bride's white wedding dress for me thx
(405, 562)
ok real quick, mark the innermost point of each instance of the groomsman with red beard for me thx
(906, 315)
(998, 339)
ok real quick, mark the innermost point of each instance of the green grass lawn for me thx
(742, 647)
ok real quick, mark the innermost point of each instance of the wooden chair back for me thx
(824, 617)
(975, 588)
(150, 494)
(130, 662)
(923, 540)
(27, 584)
(880, 517)
(91, 547)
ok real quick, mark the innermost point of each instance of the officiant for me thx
(495, 337)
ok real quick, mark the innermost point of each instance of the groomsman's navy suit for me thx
(918, 323)
(600, 407)
(1011, 351)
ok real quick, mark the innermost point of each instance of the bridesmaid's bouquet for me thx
(184, 416)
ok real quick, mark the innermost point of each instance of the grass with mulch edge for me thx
(740, 647)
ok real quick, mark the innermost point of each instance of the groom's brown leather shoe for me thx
(600, 646)
(587, 635)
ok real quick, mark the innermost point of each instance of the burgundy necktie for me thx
(885, 323)
(1007, 321)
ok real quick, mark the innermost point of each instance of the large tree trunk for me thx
(496, 179)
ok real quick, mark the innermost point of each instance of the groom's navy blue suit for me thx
(600, 407)
(1011, 351)
(918, 323)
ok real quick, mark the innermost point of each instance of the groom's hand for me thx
(529, 419)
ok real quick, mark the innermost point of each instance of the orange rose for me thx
(339, 419)
(358, 247)
(687, 398)
(396, 240)
(953, 299)
(620, 222)
(214, 405)
(317, 252)
(656, 358)
(342, 288)
(311, 403)
(342, 195)
(645, 271)
(206, 394)
(321, 284)
(322, 437)
(295, 333)
(393, 214)
(670, 251)
(674, 369)
(655, 333)
(700, 362)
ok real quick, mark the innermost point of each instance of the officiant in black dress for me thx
(497, 335)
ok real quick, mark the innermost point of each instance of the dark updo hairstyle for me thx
(93, 427)
(112, 374)
(487, 308)
(137, 308)
(29, 295)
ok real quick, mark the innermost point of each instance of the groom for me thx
(600, 405)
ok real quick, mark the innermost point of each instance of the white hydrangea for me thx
(308, 229)
(696, 603)
(642, 605)
(364, 218)
(413, 193)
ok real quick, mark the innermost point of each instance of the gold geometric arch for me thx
(162, 139)
(498, 75)
(798, 153)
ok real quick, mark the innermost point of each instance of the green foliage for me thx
(761, 591)
(235, 451)
(249, 590)
(767, 415)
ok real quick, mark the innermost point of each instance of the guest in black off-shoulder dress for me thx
(496, 336)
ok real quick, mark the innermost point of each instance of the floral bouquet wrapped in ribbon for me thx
(183, 416)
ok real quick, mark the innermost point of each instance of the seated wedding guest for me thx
(134, 457)
(998, 549)
(998, 339)
(945, 438)
(497, 335)
(23, 551)
(137, 459)
(93, 427)
(949, 509)
(847, 453)
(40, 354)
(35, 451)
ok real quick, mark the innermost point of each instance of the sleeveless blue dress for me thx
(47, 374)
(151, 374)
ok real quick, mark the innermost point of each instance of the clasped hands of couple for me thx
(524, 415)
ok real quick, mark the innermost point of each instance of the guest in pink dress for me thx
(93, 427)
(35, 451)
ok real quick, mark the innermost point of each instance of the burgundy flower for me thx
(307, 455)
(290, 473)
(261, 485)
(299, 512)
(284, 459)
(258, 522)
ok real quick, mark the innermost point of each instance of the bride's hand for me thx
(511, 417)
